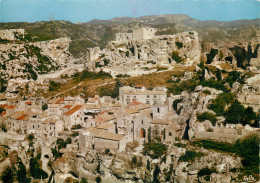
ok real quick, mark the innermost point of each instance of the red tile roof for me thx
(4, 106)
(21, 117)
(11, 107)
(3, 113)
(139, 86)
(60, 101)
(28, 103)
(67, 106)
(73, 110)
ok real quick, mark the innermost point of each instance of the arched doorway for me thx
(143, 133)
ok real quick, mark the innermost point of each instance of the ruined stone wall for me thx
(124, 36)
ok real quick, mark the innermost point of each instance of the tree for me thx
(218, 75)
(7, 175)
(21, 173)
(235, 113)
(98, 179)
(44, 107)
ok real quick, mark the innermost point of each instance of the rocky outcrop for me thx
(142, 56)
(23, 59)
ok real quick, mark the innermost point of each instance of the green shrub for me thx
(237, 113)
(76, 127)
(207, 116)
(54, 86)
(35, 170)
(219, 85)
(75, 134)
(232, 77)
(207, 92)
(176, 57)
(179, 44)
(134, 161)
(154, 149)
(86, 74)
(180, 145)
(218, 105)
(211, 55)
(175, 103)
(206, 171)
(7, 175)
(178, 88)
(190, 156)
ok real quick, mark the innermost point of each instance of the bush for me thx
(218, 105)
(54, 86)
(175, 103)
(179, 44)
(232, 77)
(211, 55)
(134, 161)
(130, 146)
(86, 74)
(236, 114)
(206, 171)
(219, 85)
(155, 150)
(7, 175)
(178, 88)
(190, 156)
(35, 170)
(176, 57)
(207, 116)
(75, 134)
(76, 127)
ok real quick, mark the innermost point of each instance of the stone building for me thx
(140, 94)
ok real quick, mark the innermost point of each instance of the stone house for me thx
(140, 94)
(98, 139)
(74, 116)
(35, 124)
(18, 121)
(52, 127)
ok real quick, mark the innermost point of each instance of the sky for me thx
(86, 10)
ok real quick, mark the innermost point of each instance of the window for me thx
(158, 109)
(142, 122)
(33, 126)
(155, 102)
(134, 96)
(131, 129)
(154, 96)
(147, 96)
(170, 133)
(147, 102)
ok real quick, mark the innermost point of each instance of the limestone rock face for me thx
(27, 60)
(142, 56)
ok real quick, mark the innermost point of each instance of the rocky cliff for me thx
(136, 57)
(22, 59)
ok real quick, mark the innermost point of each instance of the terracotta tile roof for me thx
(104, 118)
(67, 106)
(4, 106)
(139, 86)
(28, 103)
(105, 126)
(73, 110)
(22, 117)
(131, 110)
(98, 133)
(3, 113)
(11, 107)
(147, 113)
(59, 101)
